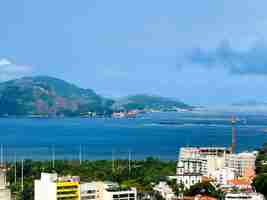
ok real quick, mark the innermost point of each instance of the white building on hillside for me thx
(244, 196)
(165, 190)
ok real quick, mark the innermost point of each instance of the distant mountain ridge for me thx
(144, 101)
(43, 95)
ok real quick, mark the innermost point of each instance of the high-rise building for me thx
(52, 187)
(242, 162)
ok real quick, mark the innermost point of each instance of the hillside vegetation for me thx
(43, 95)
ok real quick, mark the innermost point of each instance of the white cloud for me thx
(4, 61)
(10, 70)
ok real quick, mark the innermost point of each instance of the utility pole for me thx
(129, 162)
(2, 156)
(22, 175)
(15, 170)
(80, 154)
(113, 164)
(53, 156)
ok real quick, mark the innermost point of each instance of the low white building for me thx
(112, 191)
(88, 191)
(106, 191)
(244, 196)
(165, 190)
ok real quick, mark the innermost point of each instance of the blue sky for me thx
(203, 52)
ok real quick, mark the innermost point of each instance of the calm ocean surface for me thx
(158, 135)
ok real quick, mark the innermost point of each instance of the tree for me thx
(260, 184)
(204, 188)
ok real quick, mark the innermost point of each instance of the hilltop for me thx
(149, 102)
(44, 95)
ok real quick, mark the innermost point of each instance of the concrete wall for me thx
(45, 190)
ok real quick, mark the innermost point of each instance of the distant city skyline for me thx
(201, 52)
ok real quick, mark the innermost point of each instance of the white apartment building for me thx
(189, 172)
(201, 152)
(244, 196)
(52, 187)
(223, 175)
(5, 193)
(165, 190)
(241, 162)
(212, 158)
(106, 191)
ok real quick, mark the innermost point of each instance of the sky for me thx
(202, 52)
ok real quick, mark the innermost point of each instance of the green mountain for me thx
(143, 101)
(49, 96)
(43, 95)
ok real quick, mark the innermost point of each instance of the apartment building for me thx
(222, 176)
(201, 152)
(189, 172)
(52, 187)
(242, 162)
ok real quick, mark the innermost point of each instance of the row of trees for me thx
(139, 174)
(260, 182)
(142, 174)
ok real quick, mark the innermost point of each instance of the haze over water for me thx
(158, 135)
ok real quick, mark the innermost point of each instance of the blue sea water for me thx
(159, 135)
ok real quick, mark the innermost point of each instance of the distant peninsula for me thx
(48, 96)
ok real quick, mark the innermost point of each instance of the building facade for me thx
(189, 172)
(242, 162)
(222, 176)
(106, 191)
(52, 187)
(165, 190)
(244, 196)
(5, 193)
